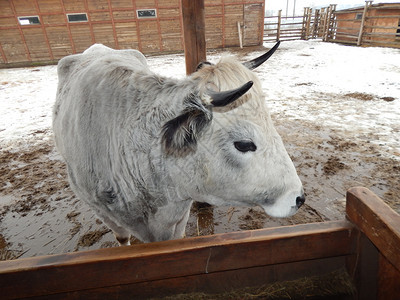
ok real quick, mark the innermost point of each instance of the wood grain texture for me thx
(377, 221)
(106, 19)
(117, 267)
(194, 33)
(388, 280)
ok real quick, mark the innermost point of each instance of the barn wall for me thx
(115, 23)
(348, 26)
(382, 22)
(390, 18)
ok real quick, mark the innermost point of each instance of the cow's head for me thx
(225, 146)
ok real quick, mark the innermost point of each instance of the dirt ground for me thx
(40, 215)
(44, 216)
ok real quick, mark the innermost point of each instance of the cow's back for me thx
(91, 110)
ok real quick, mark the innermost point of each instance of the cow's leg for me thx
(169, 221)
(121, 234)
(181, 225)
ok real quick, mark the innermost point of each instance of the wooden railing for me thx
(367, 245)
(371, 28)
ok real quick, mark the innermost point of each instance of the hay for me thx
(337, 284)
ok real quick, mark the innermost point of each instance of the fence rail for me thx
(377, 25)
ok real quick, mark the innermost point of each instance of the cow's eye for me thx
(245, 146)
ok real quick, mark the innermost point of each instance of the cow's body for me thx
(137, 169)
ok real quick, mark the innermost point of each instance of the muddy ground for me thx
(44, 217)
(40, 215)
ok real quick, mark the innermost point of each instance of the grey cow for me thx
(140, 147)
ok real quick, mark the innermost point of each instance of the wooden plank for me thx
(363, 268)
(127, 15)
(126, 34)
(80, 37)
(168, 3)
(194, 33)
(97, 4)
(114, 267)
(253, 24)
(5, 9)
(145, 3)
(36, 42)
(2, 55)
(100, 16)
(8, 22)
(24, 7)
(382, 44)
(53, 19)
(121, 3)
(388, 280)
(278, 30)
(377, 221)
(212, 283)
(361, 31)
(103, 33)
(172, 12)
(74, 5)
(214, 34)
(59, 41)
(345, 41)
(29, 58)
(49, 6)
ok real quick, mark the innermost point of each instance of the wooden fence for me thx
(41, 31)
(375, 25)
(365, 246)
(312, 24)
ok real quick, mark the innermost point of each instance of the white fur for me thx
(110, 122)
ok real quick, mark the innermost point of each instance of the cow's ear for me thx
(180, 135)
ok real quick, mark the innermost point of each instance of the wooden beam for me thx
(388, 279)
(377, 221)
(194, 33)
(377, 270)
(278, 30)
(364, 269)
(359, 40)
(113, 269)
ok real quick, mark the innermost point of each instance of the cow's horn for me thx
(227, 97)
(254, 63)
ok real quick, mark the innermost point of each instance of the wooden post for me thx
(360, 33)
(377, 270)
(316, 24)
(326, 25)
(278, 30)
(322, 24)
(303, 26)
(309, 14)
(331, 22)
(194, 33)
(240, 35)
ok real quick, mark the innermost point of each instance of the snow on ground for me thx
(316, 75)
(307, 72)
(337, 108)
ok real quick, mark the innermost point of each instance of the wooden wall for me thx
(380, 28)
(114, 23)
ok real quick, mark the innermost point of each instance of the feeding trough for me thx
(364, 248)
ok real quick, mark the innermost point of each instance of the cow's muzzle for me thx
(300, 200)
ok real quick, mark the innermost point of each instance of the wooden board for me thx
(377, 221)
(194, 33)
(377, 270)
(104, 26)
(367, 248)
(206, 258)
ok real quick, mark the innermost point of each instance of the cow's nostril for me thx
(300, 201)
